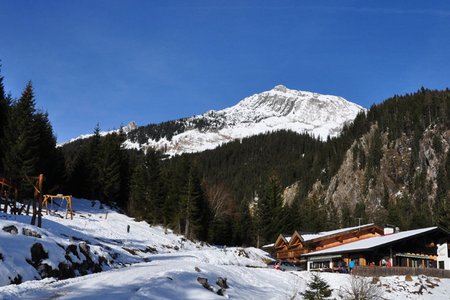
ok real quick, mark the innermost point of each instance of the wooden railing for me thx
(392, 271)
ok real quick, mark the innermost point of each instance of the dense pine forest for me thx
(396, 157)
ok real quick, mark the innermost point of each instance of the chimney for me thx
(390, 229)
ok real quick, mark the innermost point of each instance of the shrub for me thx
(361, 289)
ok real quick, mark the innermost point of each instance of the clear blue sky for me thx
(112, 62)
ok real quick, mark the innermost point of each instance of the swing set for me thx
(9, 197)
(67, 199)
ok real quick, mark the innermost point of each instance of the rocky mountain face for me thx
(395, 178)
(278, 109)
(397, 170)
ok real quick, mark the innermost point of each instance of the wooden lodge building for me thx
(366, 245)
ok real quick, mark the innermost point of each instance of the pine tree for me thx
(441, 207)
(196, 212)
(49, 159)
(108, 168)
(93, 157)
(317, 289)
(20, 159)
(269, 210)
(4, 108)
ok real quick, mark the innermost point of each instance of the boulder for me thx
(204, 283)
(29, 232)
(11, 229)
(72, 248)
(38, 254)
(45, 271)
(222, 282)
(65, 271)
(16, 280)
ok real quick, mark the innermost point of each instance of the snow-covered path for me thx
(174, 276)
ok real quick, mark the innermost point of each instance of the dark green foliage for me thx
(4, 112)
(21, 139)
(110, 158)
(147, 192)
(269, 211)
(314, 215)
(441, 207)
(317, 289)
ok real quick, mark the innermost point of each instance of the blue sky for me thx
(111, 62)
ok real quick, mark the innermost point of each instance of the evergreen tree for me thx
(442, 202)
(4, 108)
(21, 155)
(108, 168)
(49, 159)
(196, 211)
(317, 289)
(269, 210)
(93, 157)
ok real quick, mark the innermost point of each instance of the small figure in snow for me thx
(128, 228)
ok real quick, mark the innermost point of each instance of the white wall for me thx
(442, 252)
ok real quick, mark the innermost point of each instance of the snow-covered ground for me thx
(153, 263)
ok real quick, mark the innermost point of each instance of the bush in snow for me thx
(317, 289)
(360, 288)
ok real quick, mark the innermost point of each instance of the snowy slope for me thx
(278, 109)
(169, 271)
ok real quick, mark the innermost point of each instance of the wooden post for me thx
(40, 183)
(69, 206)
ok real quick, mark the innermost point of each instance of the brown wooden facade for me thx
(291, 248)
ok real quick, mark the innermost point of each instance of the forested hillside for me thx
(390, 165)
(27, 143)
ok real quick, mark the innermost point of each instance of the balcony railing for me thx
(392, 271)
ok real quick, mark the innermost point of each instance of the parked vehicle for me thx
(286, 266)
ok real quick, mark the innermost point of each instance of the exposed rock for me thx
(408, 278)
(289, 194)
(45, 271)
(72, 248)
(221, 292)
(241, 252)
(29, 232)
(11, 229)
(65, 271)
(38, 254)
(16, 280)
(84, 248)
(204, 283)
(222, 282)
(149, 249)
(197, 269)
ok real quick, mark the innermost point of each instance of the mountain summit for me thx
(278, 109)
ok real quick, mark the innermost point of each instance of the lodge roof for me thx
(368, 244)
(326, 234)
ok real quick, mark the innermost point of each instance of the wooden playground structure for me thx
(68, 200)
(9, 198)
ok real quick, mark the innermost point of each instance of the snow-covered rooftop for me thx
(309, 237)
(373, 242)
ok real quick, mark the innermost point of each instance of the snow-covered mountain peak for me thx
(280, 108)
(280, 88)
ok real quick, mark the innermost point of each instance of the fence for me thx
(392, 271)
